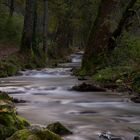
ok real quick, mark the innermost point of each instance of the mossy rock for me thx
(9, 121)
(22, 122)
(20, 135)
(6, 131)
(26, 134)
(84, 87)
(4, 96)
(59, 129)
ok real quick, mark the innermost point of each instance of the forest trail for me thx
(49, 99)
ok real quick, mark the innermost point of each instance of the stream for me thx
(86, 114)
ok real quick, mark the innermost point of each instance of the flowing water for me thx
(49, 99)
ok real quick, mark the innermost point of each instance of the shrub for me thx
(127, 52)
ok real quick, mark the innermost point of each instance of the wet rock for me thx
(82, 78)
(136, 138)
(18, 74)
(83, 112)
(136, 99)
(109, 136)
(18, 101)
(124, 89)
(4, 96)
(35, 128)
(37, 134)
(10, 122)
(88, 87)
(110, 86)
(59, 129)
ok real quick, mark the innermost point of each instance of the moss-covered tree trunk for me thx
(110, 19)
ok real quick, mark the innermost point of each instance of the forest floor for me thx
(6, 51)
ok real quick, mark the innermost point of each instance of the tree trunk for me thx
(108, 25)
(45, 25)
(11, 7)
(27, 36)
(34, 41)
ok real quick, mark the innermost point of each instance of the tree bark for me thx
(34, 41)
(45, 25)
(27, 36)
(107, 27)
(11, 7)
(126, 14)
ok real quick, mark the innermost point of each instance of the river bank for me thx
(87, 114)
(15, 127)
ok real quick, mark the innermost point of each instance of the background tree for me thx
(11, 7)
(27, 36)
(110, 18)
(45, 25)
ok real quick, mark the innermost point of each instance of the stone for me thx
(10, 122)
(109, 136)
(82, 78)
(84, 87)
(37, 134)
(59, 129)
(18, 101)
(136, 138)
(135, 99)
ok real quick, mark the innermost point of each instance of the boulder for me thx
(34, 134)
(10, 122)
(110, 86)
(135, 99)
(84, 87)
(59, 129)
(109, 136)
(136, 138)
(4, 96)
(15, 100)
(82, 78)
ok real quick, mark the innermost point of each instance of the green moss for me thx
(136, 81)
(127, 51)
(22, 122)
(3, 73)
(7, 69)
(26, 134)
(11, 69)
(9, 121)
(47, 135)
(106, 75)
(80, 72)
(58, 128)
(4, 96)
(7, 125)
(6, 131)
(21, 135)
